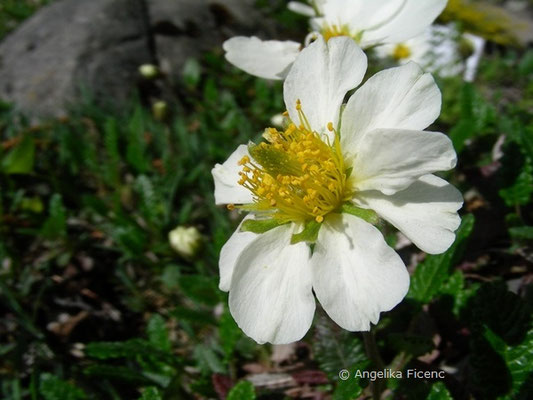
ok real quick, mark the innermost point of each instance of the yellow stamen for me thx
(296, 176)
(401, 51)
(330, 31)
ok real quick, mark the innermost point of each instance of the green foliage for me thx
(243, 390)
(55, 225)
(53, 388)
(151, 393)
(336, 349)
(519, 193)
(21, 158)
(352, 387)
(430, 275)
(439, 392)
(369, 216)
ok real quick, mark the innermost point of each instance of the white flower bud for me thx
(160, 110)
(149, 71)
(185, 241)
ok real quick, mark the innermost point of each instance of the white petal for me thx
(389, 160)
(409, 21)
(473, 61)
(226, 177)
(271, 295)
(398, 98)
(301, 8)
(320, 78)
(425, 212)
(356, 275)
(270, 59)
(229, 253)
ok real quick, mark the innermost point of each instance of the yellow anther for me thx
(330, 126)
(319, 219)
(231, 207)
(244, 160)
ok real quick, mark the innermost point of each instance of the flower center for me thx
(295, 176)
(401, 51)
(330, 31)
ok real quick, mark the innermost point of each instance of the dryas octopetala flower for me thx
(321, 180)
(368, 22)
(440, 49)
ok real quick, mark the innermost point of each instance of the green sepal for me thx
(260, 225)
(309, 234)
(369, 216)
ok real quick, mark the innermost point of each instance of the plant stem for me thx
(373, 354)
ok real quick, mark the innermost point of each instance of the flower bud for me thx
(185, 241)
(149, 71)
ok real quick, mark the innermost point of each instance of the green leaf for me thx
(351, 388)
(53, 388)
(158, 333)
(335, 348)
(369, 216)
(129, 349)
(229, 333)
(243, 390)
(151, 393)
(439, 392)
(522, 232)
(55, 225)
(201, 289)
(260, 225)
(455, 287)
(115, 372)
(21, 158)
(430, 275)
(309, 234)
(519, 193)
(519, 359)
(414, 345)
(208, 360)
(191, 72)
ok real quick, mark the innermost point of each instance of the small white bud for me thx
(185, 241)
(149, 71)
(160, 110)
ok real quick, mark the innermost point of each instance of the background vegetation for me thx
(94, 303)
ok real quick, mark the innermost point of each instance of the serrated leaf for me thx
(430, 275)
(351, 388)
(151, 393)
(439, 392)
(208, 360)
(243, 390)
(520, 192)
(309, 233)
(455, 287)
(53, 388)
(519, 359)
(335, 348)
(260, 225)
(21, 158)
(158, 333)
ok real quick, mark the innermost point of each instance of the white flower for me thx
(438, 50)
(185, 241)
(368, 22)
(321, 172)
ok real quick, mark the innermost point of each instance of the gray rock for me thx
(96, 46)
(69, 45)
